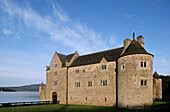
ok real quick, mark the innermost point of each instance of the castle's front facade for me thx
(121, 76)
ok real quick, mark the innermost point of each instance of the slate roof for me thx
(109, 55)
(135, 48)
(65, 58)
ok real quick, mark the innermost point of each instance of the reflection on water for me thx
(27, 96)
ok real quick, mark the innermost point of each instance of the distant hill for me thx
(32, 87)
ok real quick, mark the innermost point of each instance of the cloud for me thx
(57, 26)
(6, 31)
(128, 16)
(112, 40)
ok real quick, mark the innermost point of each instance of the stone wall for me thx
(157, 89)
(130, 91)
(42, 92)
(56, 74)
(95, 94)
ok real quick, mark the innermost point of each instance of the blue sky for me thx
(32, 30)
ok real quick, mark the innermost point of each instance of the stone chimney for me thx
(140, 40)
(126, 43)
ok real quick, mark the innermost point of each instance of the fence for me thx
(11, 104)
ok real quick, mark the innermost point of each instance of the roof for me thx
(155, 75)
(109, 55)
(65, 58)
(134, 48)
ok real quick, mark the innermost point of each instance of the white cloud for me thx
(6, 31)
(112, 40)
(58, 27)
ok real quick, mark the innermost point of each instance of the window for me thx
(55, 73)
(103, 67)
(77, 71)
(122, 66)
(103, 82)
(143, 82)
(105, 99)
(83, 71)
(143, 64)
(90, 83)
(55, 65)
(55, 83)
(77, 84)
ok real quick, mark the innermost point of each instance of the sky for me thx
(32, 30)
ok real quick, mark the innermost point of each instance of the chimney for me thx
(126, 43)
(140, 40)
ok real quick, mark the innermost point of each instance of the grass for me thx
(71, 108)
(62, 108)
(155, 103)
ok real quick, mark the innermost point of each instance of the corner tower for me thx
(134, 79)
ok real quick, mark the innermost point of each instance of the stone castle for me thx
(120, 77)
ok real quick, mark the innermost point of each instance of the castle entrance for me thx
(54, 97)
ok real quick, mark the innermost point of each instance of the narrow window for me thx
(141, 82)
(83, 71)
(55, 73)
(105, 99)
(77, 71)
(55, 65)
(90, 83)
(55, 83)
(77, 84)
(104, 83)
(145, 64)
(103, 67)
(86, 98)
(122, 66)
(101, 83)
(141, 64)
(145, 82)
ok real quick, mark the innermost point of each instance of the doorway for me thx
(54, 98)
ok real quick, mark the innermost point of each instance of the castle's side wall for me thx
(157, 89)
(130, 91)
(95, 94)
(56, 82)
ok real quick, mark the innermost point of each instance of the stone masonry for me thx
(118, 77)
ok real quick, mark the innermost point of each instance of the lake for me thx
(27, 96)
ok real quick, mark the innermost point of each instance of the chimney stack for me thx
(126, 43)
(140, 40)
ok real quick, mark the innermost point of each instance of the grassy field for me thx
(70, 108)
(62, 108)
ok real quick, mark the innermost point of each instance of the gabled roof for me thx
(155, 75)
(65, 58)
(134, 48)
(109, 55)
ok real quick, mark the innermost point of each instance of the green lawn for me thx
(161, 102)
(71, 108)
(62, 108)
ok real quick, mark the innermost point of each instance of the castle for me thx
(118, 77)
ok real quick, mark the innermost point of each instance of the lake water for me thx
(6, 97)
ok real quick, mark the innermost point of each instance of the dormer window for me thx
(103, 67)
(55, 65)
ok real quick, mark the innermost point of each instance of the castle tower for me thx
(134, 78)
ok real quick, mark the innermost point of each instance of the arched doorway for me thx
(54, 97)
